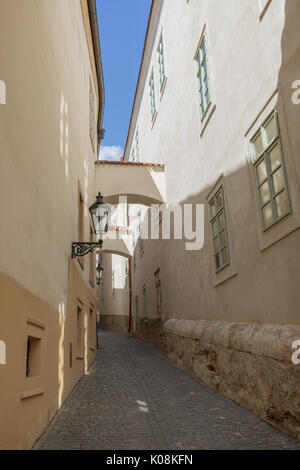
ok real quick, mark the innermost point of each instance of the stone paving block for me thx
(135, 398)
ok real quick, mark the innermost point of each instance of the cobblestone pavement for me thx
(135, 398)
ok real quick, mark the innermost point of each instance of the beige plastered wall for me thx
(46, 157)
(253, 62)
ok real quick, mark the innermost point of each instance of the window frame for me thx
(80, 331)
(91, 329)
(161, 62)
(113, 283)
(135, 151)
(264, 156)
(263, 7)
(201, 61)
(220, 210)
(211, 106)
(153, 110)
(141, 241)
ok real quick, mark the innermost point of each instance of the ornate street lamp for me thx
(99, 274)
(100, 214)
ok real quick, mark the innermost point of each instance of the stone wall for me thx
(250, 363)
(150, 329)
(114, 322)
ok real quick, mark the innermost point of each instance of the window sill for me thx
(207, 118)
(32, 393)
(163, 87)
(264, 10)
(153, 120)
(278, 232)
(225, 275)
(80, 357)
(92, 143)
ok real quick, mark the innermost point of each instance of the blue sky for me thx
(122, 27)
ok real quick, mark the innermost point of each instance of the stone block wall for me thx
(249, 363)
(114, 322)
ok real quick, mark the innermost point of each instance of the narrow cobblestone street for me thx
(135, 398)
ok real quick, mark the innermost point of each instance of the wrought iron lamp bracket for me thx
(83, 248)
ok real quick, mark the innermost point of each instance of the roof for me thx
(122, 162)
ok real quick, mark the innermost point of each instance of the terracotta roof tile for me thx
(120, 162)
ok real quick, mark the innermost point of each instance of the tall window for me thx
(141, 241)
(135, 153)
(92, 326)
(152, 96)
(158, 293)
(271, 179)
(161, 61)
(219, 231)
(145, 306)
(92, 115)
(79, 332)
(204, 92)
(137, 146)
(33, 357)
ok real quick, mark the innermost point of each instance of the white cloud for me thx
(110, 153)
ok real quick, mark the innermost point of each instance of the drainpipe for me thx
(97, 53)
(129, 281)
(130, 296)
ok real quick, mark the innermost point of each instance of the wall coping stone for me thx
(268, 340)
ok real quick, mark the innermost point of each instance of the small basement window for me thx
(33, 357)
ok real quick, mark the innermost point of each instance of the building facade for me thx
(216, 104)
(49, 132)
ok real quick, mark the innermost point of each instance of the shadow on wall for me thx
(259, 284)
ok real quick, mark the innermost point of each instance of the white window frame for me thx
(209, 111)
(263, 7)
(291, 222)
(153, 109)
(161, 63)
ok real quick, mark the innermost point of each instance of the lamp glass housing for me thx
(99, 273)
(100, 216)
